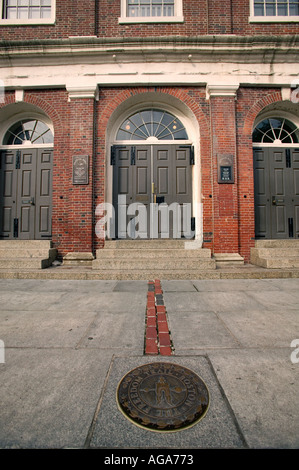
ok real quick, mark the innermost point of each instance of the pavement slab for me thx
(68, 344)
(218, 428)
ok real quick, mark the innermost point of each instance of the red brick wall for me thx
(195, 99)
(225, 202)
(93, 17)
(73, 18)
(250, 102)
(80, 129)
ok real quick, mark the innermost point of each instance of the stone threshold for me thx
(247, 271)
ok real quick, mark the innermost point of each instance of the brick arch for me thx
(44, 106)
(123, 97)
(38, 105)
(258, 107)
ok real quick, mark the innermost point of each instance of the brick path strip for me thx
(157, 335)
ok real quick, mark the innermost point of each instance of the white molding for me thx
(29, 22)
(151, 19)
(19, 95)
(273, 19)
(177, 18)
(285, 93)
(77, 92)
(221, 90)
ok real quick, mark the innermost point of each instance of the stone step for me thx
(289, 243)
(166, 274)
(26, 254)
(291, 252)
(9, 253)
(25, 263)
(28, 244)
(277, 263)
(228, 259)
(154, 263)
(156, 244)
(135, 253)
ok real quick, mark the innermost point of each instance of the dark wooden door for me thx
(26, 194)
(276, 179)
(145, 174)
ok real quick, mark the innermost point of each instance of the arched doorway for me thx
(276, 177)
(26, 152)
(152, 159)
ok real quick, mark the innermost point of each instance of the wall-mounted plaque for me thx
(225, 168)
(80, 169)
(226, 174)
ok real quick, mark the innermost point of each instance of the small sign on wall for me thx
(226, 174)
(80, 169)
(225, 169)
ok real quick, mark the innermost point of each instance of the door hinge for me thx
(133, 155)
(16, 228)
(291, 227)
(18, 159)
(192, 224)
(112, 155)
(288, 158)
(192, 162)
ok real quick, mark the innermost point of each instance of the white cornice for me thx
(221, 90)
(226, 48)
(76, 92)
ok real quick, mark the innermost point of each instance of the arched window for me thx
(276, 131)
(28, 131)
(152, 123)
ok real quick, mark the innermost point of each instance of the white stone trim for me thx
(177, 18)
(221, 90)
(82, 92)
(29, 22)
(19, 95)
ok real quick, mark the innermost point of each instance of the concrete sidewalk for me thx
(68, 343)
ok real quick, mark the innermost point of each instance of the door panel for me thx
(276, 183)
(150, 174)
(43, 197)
(8, 188)
(26, 194)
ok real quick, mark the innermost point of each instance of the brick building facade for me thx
(73, 73)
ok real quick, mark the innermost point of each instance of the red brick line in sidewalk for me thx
(157, 335)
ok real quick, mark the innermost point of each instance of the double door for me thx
(26, 194)
(276, 179)
(154, 182)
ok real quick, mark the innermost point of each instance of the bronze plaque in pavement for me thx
(163, 397)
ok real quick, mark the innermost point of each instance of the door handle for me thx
(28, 201)
(275, 201)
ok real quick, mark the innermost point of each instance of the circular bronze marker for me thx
(163, 397)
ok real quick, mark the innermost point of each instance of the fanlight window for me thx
(28, 131)
(276, 131)
(152, 123)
